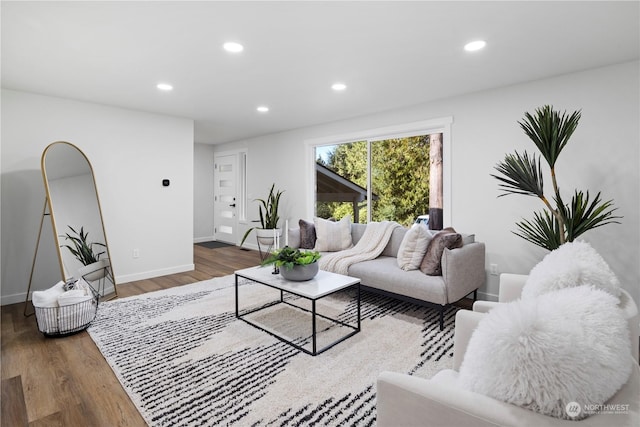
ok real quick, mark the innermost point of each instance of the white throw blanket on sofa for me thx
(370, 246)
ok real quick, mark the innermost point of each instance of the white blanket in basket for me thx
(60, 311)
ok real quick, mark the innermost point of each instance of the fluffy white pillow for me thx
(413, 247)
(566, 346)
(332, 236)
(572, 264)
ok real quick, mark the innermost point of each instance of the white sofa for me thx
(404, 400)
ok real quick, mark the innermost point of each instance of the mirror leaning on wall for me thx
(73, 205)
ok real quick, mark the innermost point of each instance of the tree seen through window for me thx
(399, 174)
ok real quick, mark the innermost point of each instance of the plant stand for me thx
(268, 240)
(98, 271)
(265, 249)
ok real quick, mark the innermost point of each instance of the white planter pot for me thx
(95, 271)
(265, 235)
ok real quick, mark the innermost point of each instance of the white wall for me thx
(131, 152)
(603, 155)
(203, 193)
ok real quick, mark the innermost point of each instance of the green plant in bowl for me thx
(288, 257)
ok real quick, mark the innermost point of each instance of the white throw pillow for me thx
(571, 345)
(332, 236)
(413, 247)
(572, 264)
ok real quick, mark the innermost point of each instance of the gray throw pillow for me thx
(432, 261)
(307, 234)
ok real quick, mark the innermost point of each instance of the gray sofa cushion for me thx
(384, 273)
(394, 243)
(357, 231)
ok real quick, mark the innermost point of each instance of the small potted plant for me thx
(268, 218)
(83, 251)
(298, 265)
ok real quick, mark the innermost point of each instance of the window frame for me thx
(439, 125)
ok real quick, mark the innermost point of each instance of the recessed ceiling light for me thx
(164, 86)
(233, 47)
(338, 86)
(475, 45)
(262, 109)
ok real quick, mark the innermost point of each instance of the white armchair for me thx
(511, 287)
(404, 400)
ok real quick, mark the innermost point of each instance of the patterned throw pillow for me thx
(307, 234)
(333, 236)
(432, 261)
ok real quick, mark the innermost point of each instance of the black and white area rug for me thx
(184, 358)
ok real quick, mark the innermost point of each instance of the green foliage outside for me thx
(399, 178)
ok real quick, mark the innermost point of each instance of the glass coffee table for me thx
(323, 284)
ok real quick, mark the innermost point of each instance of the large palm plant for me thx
(521, 174)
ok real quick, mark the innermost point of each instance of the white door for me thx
(225, 218)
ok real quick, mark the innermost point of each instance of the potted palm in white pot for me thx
(269, 217)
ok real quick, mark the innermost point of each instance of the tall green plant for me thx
(521, 174)
(82, 249)
(268, 211)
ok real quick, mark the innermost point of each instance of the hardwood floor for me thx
(66, 381)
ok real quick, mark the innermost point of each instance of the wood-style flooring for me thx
(66, 381)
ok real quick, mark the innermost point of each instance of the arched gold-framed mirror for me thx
(76, 217)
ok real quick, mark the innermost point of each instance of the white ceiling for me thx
(390, 54)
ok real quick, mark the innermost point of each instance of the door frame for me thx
(241, 188)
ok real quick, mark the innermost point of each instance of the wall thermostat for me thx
(165, 182)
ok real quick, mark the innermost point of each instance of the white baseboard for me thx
(252, 246)
(154, 273)
(13, 299)
(18, 298)
(203, 239)
(485, 296)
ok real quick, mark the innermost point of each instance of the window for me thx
(399, 174)
(381, 180)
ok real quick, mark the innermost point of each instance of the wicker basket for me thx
(68, 319)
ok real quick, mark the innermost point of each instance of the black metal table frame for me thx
(314, 351)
